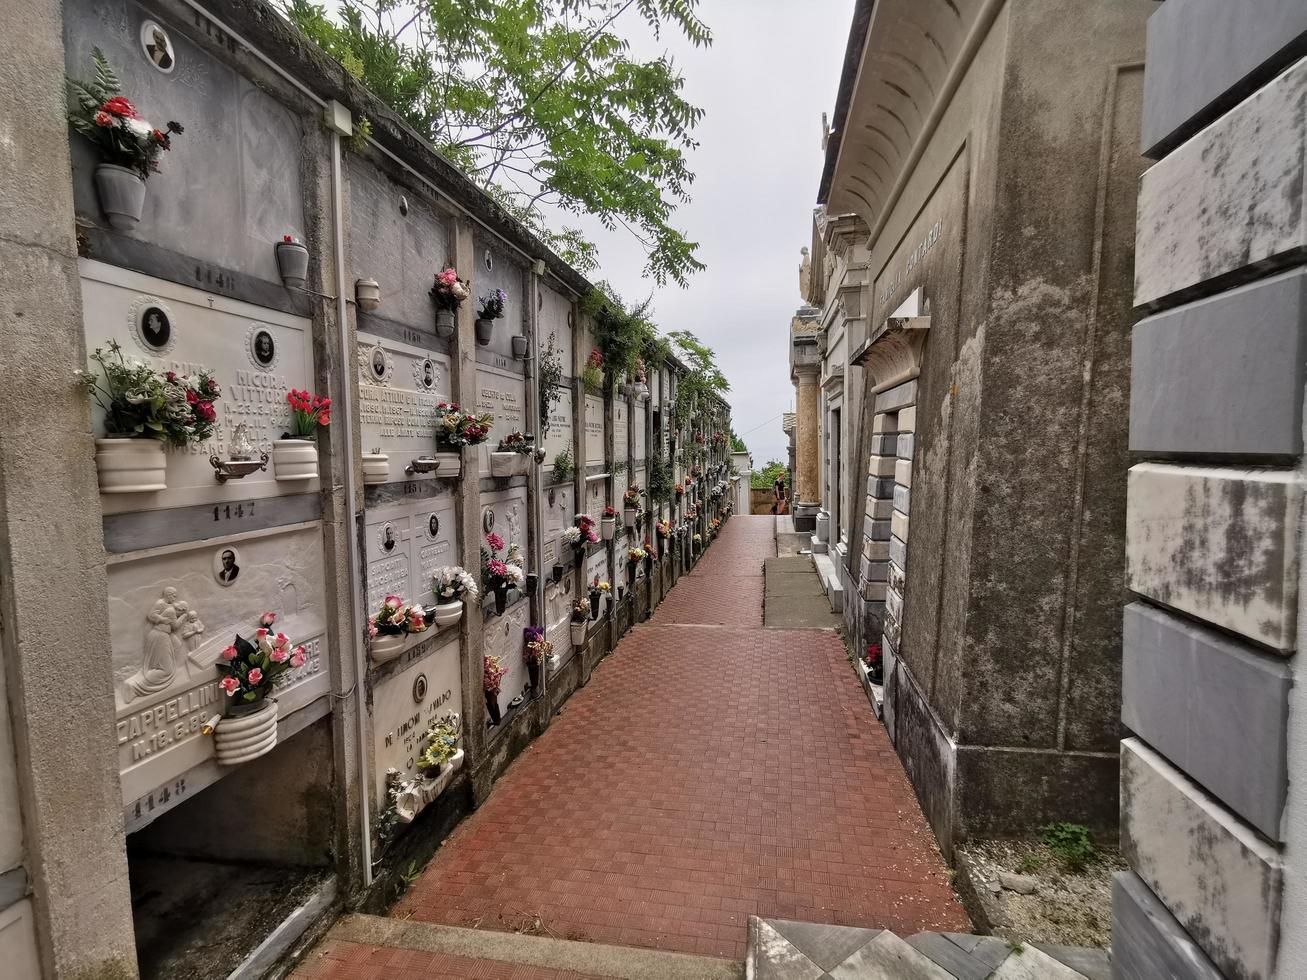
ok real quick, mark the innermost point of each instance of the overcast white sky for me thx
(772, 69)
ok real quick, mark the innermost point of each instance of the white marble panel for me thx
(405, 704)
(170, 614)
(399, 386)
(560, 513)
(594, 430)
(559, 436)
(403, 546)
(256, 355)
(505, 513)
(558, 614)
(503, 637)
(621, 429)
(503, 395)
(18, 949)
(638, 448)
(556, 323)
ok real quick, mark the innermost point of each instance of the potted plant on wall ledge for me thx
(492, 309)
(514, 455)
(580, 617)
(455, 429)
(631, 505)
(448, 293)
(452, 586)
(493, 674)
(129, 146)
(592, 374)
(295, 455)
(391, 626)
(250, 670)
(537, 648)
(145, 409)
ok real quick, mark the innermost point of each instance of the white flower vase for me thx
(121, 191)
(294, 460)
(447, 613)
(578, 634)
(628, 516)
(243, 737)
(292, 264)
(386, 647)
(608, 528)
(131, 465)
(445, 325)
(376, 468)
(451, 464)
(505, 464)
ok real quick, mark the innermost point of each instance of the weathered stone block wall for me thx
(1212, 824)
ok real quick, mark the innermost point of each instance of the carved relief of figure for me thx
(514, 525)
(157, 664)
(192, 630)
(805, 274)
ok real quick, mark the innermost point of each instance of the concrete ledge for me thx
(1223, 375)
(594, 959)
(1217, 710)
(1186, 235)
(1204, 55)
(1219, 544)
(1213, 873)
(1147, 942)
(830, 581)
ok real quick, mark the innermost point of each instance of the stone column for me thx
(807, 474)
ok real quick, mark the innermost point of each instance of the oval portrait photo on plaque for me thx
(226, 566)
(263, 347)
(152, 325)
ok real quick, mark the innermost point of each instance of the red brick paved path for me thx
(706, 773)
(357, 961)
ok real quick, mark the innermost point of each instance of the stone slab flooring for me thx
(711, 770)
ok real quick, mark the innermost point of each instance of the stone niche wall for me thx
(1006, 633)
(1213, 818)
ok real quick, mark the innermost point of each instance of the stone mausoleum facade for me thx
(129, 843)
(962, 366)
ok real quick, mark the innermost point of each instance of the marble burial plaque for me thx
(173, 609)
(494, 269)
(408, 702)
(505, 513)
(404, 544)
(559, 436)
(637, 433)
(620, 429)
(596, 499)
(560, 513)
(503, 638)
(555, 322)
(594, 430)
(597, 564)
(256, 355)
(558, 615)
(503, 395)
(399, 388)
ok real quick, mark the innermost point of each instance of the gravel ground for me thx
(1069, 908)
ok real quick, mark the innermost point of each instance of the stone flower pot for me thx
(376, 468)
(385, 647)
(447, 613)
(628, 516)
(594, 604)
(520, 347)
(505, 464)
(578, 634)
(367, 294)
(122, 195)
(292, 264)
(294, 459)
(485, 331)
(131, 465)
(246, 733)
(608, 528)
(445, 326)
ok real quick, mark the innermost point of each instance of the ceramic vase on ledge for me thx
(294, 459)
(608, 528)
(578, 634)
(292, 264)
(385, 647)
(485, 331)
(376, 468)
(131, 465)
(246, 733)
(445, 326)
(447, 613)
(121, 191)
(628, 516)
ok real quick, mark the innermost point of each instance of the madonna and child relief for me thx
(174, 630)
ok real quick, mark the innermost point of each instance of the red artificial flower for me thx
(103, 118)
(119, 106)
(191, 396)
(288, 238)
(205, 411)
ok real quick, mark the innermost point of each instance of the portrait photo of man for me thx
(156, 328)
(228, 570)
(388, 539)
(433, 526)
(379, 362)
(158, 47)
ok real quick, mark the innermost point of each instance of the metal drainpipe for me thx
(351, 492)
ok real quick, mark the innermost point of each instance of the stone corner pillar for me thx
(807, 450)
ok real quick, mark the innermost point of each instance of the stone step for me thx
(542, 952)
(782, 950)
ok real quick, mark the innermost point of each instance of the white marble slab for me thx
(403, 546)
(399, 387)
(405, 704)
(594, 430)
(503, 394)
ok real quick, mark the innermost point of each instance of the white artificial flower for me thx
(139, 127)
(572, 535)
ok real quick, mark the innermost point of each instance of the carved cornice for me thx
(892, 355)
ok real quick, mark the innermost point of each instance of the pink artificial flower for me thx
(261, 632)
(230, 684)
(229, 653)
(278, 655)
(206, 411)
(497, 567)
(255, 676)
(372, 629)
(495, 541)
(267, 619)
(282, 640)
(393, 602)
(297, 659)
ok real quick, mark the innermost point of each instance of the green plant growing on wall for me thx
(563, 467)
(621, 333)
(618, 468)
(551, 383)
(659, 487)
(1071, 845)
(541, 103)
(701, 385)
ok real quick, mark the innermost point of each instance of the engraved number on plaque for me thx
(226, 512)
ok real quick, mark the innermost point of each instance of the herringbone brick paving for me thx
(711, 769)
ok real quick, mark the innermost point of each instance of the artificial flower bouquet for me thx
(580, 612)
(492, 306)
(250, 669)
(449, 291)
(440, 745)
(635, 555)
(110, 121)
(453, 584)
(536, 648)
(679, 490)
(397, 618)
(663, 529)
(308, 413)
(456, 428)
(493, 673)
(498, 575)
(875, 663)
(631, 498)
(140, 402)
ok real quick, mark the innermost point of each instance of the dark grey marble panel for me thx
(155, 528)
